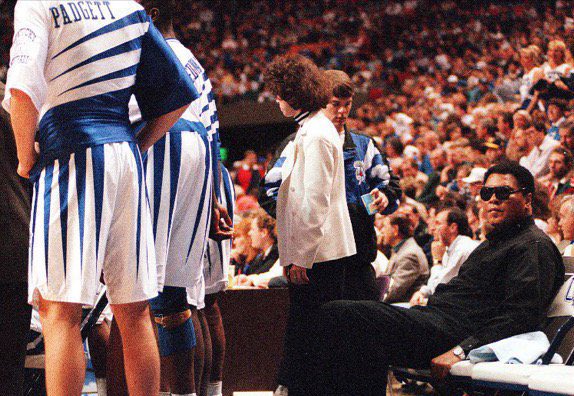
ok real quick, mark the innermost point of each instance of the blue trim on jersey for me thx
(174, 170)
(98, 167)
(34, 210)
(136, 154)
(139, 16)
(128, 71)
(80, 160)
(77, 125)
(47, 202)
(128, 46)
(162, 84)
(158, 161)
(202, 200)
(63, 176)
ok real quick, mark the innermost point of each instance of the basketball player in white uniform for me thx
(74, 66)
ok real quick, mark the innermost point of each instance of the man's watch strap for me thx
(459, 352)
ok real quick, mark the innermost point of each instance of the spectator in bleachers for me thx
(567, 135)
(243, 251)
(556, 109)
(567, 224)
(557, 181)
(455, 234)
(249, 173)
(408, 266)
(530, 60)
(504, 288)
(438, 160)
(264, 240)
(537, 160)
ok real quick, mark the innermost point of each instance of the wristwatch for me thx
(459, 352)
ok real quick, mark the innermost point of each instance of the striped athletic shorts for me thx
(179, 180)
(91, 216)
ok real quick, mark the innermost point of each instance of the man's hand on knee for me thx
(441, 365)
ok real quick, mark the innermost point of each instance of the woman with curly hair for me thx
(314, 229)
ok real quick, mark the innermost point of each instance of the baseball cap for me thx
(476, 175)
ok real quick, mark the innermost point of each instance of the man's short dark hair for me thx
(508, 118)
(568, 160)
(166, 10)
(404, 224)
(521, 174)
(458, 217)
(341, 84)
(299, 82)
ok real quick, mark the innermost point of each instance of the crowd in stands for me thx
(481, 92)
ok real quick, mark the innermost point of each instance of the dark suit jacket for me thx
(14, 209)
(262, 263)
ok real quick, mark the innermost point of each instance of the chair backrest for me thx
(562, 305)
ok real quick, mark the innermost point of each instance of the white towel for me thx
(520, 349)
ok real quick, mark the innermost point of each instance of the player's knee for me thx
(175, 333)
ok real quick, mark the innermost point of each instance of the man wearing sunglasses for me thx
(504, 288)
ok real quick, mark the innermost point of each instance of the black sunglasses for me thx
(502, 193)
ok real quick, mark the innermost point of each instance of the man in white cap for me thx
(474, 181)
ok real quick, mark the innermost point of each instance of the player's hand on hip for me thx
(221, 224)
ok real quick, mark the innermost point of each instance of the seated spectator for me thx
(494, 150)
(566, 224)
(567, 134)
(249, 173)
(408, 266)
(530, 61)
(556, 109)
(503, 289)
(557, 181)
(474, 182)
(410, 168)
(242, 251)
(537, 160)
(455, 234)
(264, 240)
(438, 160)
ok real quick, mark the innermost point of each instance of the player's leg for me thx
(115, 373)
(198, 359)
(217, 334)
(176, 340)
(65, 361)
(207, 358)
(141, 358)
(98, 340)
(130, 270)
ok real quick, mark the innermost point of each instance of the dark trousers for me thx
(326, 282)
(14, 328)
(360, 281)
(358, 341)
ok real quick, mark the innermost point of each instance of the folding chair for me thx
(555, 381)
(515, 377)
(495, 375)
(35, 363)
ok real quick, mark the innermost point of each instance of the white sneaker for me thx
(281, 391)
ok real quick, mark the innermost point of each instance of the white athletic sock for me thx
(102, 386)
(215, 388)
(164, 393)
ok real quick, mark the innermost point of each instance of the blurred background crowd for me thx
(448, 89)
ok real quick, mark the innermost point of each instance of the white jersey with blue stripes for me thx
(202, 109)
(80, 61)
